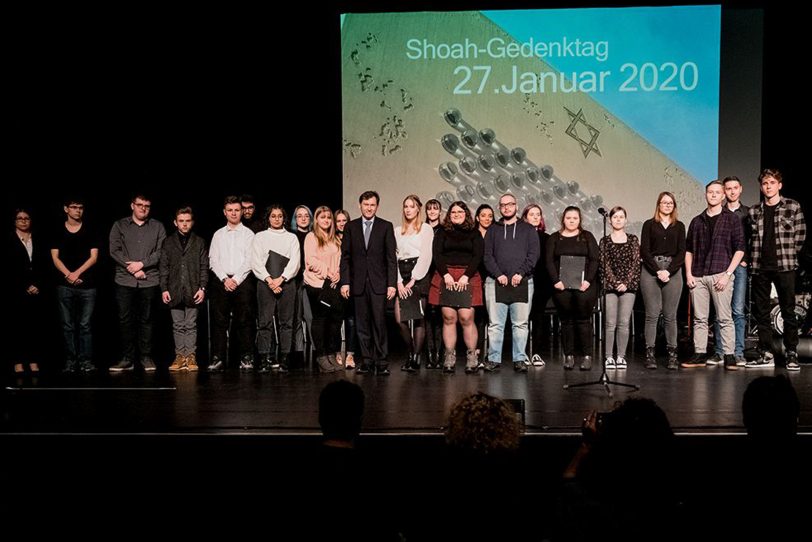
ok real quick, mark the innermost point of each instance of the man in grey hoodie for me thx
(511, 253)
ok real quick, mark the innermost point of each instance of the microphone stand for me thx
(604, 379)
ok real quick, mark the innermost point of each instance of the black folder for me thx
(411, 308)
(275, 264)
(571, 271)
(331, 297)
(512, 294)
(461, 299)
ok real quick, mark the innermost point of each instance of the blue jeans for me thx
(75, 311)
(737, 305)
(497, 312)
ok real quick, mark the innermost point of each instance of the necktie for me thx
(367, 229)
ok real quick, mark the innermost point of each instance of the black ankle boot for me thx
(408, 366)
(651, 360)
(673, 365)
(416, 362)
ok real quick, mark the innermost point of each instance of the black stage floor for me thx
(703, 400)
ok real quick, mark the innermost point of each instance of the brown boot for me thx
(178, 364)
(191, 362)
(325, 366)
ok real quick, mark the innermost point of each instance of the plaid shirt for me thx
(713, 251)
(790, 233)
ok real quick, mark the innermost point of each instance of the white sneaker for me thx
(620, 363)
(536, 361)
(609, 363)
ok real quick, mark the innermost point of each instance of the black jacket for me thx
(183, 270)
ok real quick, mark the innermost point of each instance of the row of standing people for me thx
(420, 259)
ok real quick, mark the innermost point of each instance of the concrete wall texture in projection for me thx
(471, 129)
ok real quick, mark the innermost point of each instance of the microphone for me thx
(602, 211)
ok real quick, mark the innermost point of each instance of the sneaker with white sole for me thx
(715, 359)
(609, 363)
(620, 362)
(765, 360)
(536, 361)
(792, 361)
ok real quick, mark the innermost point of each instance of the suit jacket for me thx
(24, 272)
(183, 270)
(378, 261)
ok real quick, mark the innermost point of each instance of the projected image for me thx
(587, 107)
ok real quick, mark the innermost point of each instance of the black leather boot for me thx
(407, 365)
(673, 365)
(651, 360)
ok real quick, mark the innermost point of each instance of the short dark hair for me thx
(141, 195)
(341, 409)
(247, 198)
(184, 211)
(774, 173)
(229, 200)
(73, 198)
(369, 194)
(731, 179)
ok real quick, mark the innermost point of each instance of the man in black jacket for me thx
(369, 274)
(184, 274)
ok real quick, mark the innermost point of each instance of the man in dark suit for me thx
(369, 274)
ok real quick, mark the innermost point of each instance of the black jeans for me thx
(785, 285)
(326, 325)
(135, 307)
(575, 311)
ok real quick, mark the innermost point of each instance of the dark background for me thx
(191, 105)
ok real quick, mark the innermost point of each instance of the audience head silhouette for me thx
(770, 409)
(483, 425)
(341, 408)
(634, 442)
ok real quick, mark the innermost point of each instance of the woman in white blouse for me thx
(414, 241)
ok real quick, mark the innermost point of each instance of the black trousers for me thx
(239, 305)
(575, 311)
(135, 307)
(326, 325)
(370, 322)
(785, 285)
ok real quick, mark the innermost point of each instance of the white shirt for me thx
(415, 246)
(230, 252)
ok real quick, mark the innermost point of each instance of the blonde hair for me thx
(417, 223)
(324, 238)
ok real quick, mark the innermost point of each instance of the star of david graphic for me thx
(587, 146)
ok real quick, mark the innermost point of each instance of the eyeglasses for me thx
(246, 207)
(511, 204)
(143, 205)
